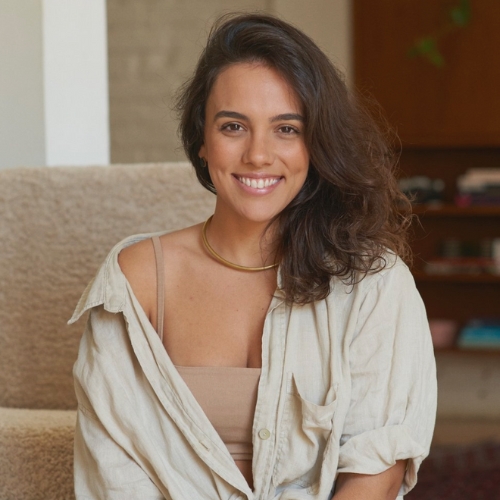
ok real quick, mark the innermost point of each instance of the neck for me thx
(246, 244)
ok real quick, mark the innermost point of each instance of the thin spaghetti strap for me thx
(160, 284)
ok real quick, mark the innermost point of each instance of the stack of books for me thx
(480, 334)
(422, 189)
(461, 265)
(479, 186)
(466, 257)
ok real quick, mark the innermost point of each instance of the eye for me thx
(288, 130)
(232, 127)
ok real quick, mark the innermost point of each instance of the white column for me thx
(22, 140)
(75, 82)
(53, 83)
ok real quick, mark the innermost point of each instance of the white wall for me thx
(53, 83)
(21, 84)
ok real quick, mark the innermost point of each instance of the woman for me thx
(280, 349)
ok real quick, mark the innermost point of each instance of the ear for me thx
(202, 152)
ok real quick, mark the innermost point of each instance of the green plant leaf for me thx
(427, 48)
(426, 45)
(436, 58)
(460, 15)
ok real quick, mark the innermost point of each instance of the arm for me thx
(393, 388)
(383, 486)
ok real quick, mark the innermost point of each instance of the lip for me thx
(272, 182)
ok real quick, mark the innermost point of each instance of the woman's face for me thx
(254, 142)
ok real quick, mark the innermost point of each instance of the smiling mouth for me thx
(258, 183)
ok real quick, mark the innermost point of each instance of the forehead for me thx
(253, 85)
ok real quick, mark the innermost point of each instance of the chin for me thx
(261, 219)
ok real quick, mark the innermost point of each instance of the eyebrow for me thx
(240, 116)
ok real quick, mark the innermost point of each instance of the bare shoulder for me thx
(136, 258)
(138, 262)
(179, 244)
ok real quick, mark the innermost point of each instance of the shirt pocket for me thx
(305, 430)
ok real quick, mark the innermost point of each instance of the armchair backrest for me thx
(56, 226)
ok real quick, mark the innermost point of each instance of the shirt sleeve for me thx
(393, 381)
(103, 470)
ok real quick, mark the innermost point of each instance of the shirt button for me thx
(264, 434)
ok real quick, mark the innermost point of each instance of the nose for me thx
(258, 150)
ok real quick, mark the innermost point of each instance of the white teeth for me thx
(258, 184)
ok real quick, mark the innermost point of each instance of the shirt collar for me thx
(109, 286)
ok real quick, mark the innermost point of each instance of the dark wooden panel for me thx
(456, 105)
(460, 302)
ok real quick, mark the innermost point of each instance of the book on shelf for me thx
(477, 199)
(422, 189)
(461, 265)
(480, 334)
(456, 256)
(478, 187)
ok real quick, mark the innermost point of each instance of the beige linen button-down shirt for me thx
(348, 384)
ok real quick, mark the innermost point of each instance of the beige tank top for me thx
(227, 395)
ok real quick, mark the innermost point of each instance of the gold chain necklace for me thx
(216, 256)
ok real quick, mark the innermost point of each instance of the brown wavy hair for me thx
(350, 211)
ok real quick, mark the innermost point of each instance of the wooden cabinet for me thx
(459, 297)
(456, 105)
(455, 296)
(448, 120)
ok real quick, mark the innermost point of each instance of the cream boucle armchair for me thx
(56, 227)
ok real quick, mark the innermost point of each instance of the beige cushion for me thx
(36, 454)
(56, 227)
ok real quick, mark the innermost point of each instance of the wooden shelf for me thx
(484, 278)
(448, 210)
(457, 351)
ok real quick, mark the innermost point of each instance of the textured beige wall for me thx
(153, 46)
(327, 22)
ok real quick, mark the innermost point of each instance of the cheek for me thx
(302, 162)
(296, 153)
(223, 152)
